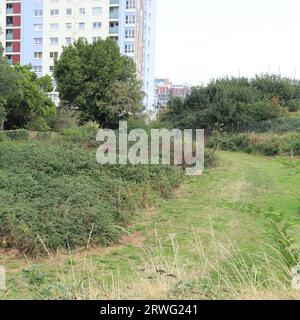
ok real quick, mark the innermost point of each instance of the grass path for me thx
(231, 199)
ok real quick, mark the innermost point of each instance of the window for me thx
(130, 19)
(38, 40)
(129, 34)
(69, 26)
(53, 55)
(37, 68)
(95, 39)
(130, 4)
(69, 11)
(97, 11)
(38, 13)
(81, 25)
(38, 55)
(38, 27)
(54, 26)
(129, 48)
(54, 12)
(97, 25)
(82, 11)
(54, 40)
(68, 40)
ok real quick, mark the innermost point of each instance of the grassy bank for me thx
(221, 236)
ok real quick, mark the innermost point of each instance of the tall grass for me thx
(221, 271)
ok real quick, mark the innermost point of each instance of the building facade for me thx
(35, 31)
(165, 90)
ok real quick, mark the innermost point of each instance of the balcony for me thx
(114, 13)
(9, 36)
(9, 60)
(114, 29)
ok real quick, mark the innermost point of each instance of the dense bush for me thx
(269, 144)
(79, 134)
(58, 193)
(231, 103)
(19, 134)
(3, 136)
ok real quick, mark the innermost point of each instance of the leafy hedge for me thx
(58, 193)
(19, 134)
(269, 144)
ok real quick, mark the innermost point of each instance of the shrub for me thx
(293, 105)
(43, 135)
(38, 123)
(65, 118)
(19, 134)
(58, 194)
(269, 144)
(3, 137)
(78, 134)
(211, 158)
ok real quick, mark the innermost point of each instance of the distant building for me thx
(165, 90)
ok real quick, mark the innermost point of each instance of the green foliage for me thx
(268, 144)
(289, 123)
(34, 275)
(65, 118)
(28, 99)
(98, 81)
(280, 231)
(3, 137)
(230, 103)
(294, 105)
(79, 134)
(58, 194)
(22, 96)
(19, 134)
(38, 123)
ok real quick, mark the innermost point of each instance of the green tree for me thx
(7, 86)
(29, 99)
(234, 102)
(23, 96)
(98, 81)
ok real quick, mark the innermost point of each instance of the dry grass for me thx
(222, 272)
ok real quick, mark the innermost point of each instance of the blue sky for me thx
(202, 39)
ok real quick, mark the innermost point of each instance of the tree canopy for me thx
(23, 96)
(236, 101)
(97, 80)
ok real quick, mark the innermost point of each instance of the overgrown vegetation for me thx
(269, 144)
(58, 194)
(231, 234)
(234, 103)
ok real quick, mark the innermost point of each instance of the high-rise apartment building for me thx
(35, 31)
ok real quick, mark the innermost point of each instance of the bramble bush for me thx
(58, 193)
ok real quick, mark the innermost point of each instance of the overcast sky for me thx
(202, 39)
